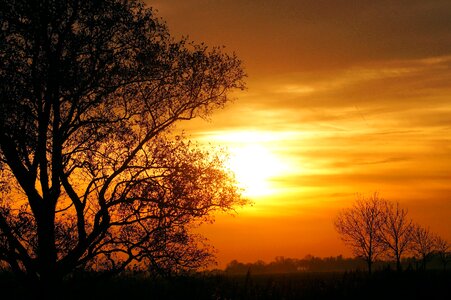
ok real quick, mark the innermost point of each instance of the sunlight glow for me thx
(254, 166)
(258, 158)
(255, 159)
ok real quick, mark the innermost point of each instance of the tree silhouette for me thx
(90, 177)
(423, 243)
(358, 227)
(443, 251)
(396, 231)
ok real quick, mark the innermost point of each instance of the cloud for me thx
(278, 36)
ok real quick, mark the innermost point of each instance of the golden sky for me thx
(343, 97)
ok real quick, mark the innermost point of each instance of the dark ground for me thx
(382, 285)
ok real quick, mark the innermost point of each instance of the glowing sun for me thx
(254, 166)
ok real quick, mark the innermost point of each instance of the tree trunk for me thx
(48, 275)
(370, 266)
(424, 262)
(398, 263)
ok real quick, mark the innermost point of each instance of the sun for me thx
(254, 167)
(258, 159)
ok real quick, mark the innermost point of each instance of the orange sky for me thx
(343, 97)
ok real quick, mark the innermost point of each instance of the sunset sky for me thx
(343, 97)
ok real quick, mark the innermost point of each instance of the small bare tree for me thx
(443, 251)
(358, 226)
(396, 231)
(423, 243)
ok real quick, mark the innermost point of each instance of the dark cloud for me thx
(276, 36)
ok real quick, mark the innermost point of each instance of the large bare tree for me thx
(358, 227)
(88, 92)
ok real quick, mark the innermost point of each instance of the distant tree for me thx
(88, 92)
(236, 267)
(443, 250)
(283, 265)
(358, 227)
(396, 231)
(423, 243)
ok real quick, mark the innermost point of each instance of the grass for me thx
(349, 285)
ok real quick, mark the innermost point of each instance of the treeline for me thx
(310, 263)
(377, 229)
(282, 265)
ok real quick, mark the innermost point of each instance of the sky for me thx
(343, 98)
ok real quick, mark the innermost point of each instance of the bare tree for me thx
(358, 227)
(443, 251)
(88, 90)
(396, 231)
(423, 243)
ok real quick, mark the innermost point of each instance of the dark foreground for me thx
(350, 285)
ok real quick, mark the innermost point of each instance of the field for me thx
(325, 285)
